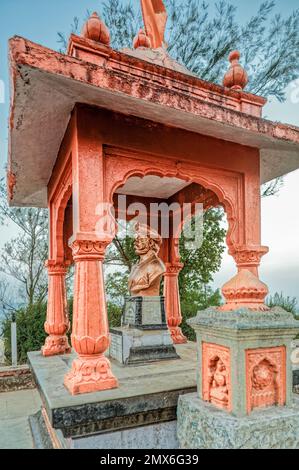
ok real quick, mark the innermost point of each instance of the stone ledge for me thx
(16, 378)
(146, 395)
(245, 319)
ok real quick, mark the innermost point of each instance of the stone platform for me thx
(145, 400)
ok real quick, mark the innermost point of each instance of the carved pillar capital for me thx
(57, 268)
(249, 256)
(89, 250)
(173, 269)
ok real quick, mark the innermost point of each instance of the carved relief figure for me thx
(264, 385)
(146, 275)
(216, 375)
(265, 370)
(218, 383)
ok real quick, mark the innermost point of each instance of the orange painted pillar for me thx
(91, 372)
(170, 255)
(172, 301)
(246, 290)
(57, 322)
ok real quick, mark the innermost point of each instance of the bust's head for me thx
(146, 239)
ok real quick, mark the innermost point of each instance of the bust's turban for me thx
(144, 231)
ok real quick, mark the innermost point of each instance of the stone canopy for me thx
(46, 85)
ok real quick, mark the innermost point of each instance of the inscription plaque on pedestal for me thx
(144, 313)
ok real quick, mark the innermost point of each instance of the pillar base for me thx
(202, 426)
(90, 374)
(177, 335)
(245, 290)
(55, 345)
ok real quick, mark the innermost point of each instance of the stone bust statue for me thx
(145, 277)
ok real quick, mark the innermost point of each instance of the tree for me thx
(23, 257)
(200, 264)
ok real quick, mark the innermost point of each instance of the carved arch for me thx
(226, 185)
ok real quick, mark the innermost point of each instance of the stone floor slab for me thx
(15, 407)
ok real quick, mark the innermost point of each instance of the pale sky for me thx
(40, 21)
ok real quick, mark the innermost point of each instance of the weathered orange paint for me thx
(172, 302)
(265, 377)
(91, 372)
(102, 149)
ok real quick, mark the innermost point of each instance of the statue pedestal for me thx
(144, 335)
(244, 384)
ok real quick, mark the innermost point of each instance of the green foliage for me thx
(114, 314)
(121, 252)
(195, 300)
(201, 263)
(30, 330)
(117, 287)
(289, 304)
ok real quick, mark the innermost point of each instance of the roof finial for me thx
(154, 17)
(236, 77)
(95, 29)
(141, 40)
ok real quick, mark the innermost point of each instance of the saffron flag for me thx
(155, 18)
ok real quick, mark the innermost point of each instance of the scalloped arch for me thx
(184, 174)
